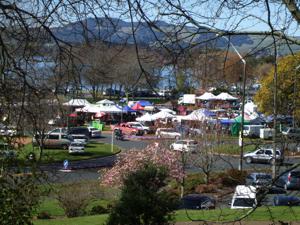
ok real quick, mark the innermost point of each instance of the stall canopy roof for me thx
(162, 115)
(127, 109)
(199, 115)
(207, 96)
(144, 103)
(168, 110)
(105, 102)
(225, 96)
(145, 117)
(77, 102)
(105, 108)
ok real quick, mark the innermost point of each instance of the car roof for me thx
(195, 197)
(185, 140)
(259, 173)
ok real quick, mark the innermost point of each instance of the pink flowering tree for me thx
(132, 160)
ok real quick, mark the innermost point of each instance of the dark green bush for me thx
(43, 215)
(192, 181)
(98, 209)
(233, 177)
(143, 199)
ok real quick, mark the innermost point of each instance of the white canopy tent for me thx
(197, 115)
(168, 111)
(145, 117)
(225, 96)
(105, 102)
(77, 103)
(92, 108)
(110, 109)
(206, 96)
(162, 115)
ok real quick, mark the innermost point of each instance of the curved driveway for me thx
(88, 169)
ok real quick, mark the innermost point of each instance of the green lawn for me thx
(92, 150)
(226, 214)
(233, 149)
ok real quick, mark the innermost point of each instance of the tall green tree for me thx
(143, 199)
(288, 87)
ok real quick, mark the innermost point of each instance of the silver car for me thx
(167, 133)
(76, 148)
(262, 155)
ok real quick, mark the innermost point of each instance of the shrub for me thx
(98, 209)
(206, 188)
(44, 215)
(192, 182)
(74, 199)
(233, 177)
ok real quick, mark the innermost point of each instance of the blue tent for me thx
(144, 103)
(127, 109)
(227, 121)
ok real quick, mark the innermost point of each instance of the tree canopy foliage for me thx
(288, 86)
(143, 200)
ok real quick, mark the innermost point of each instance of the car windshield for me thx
(263, 176)
(285, 129)
(77, 144)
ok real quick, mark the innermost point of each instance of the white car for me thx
(76, 148)
(81, 138)
(140, 126)
(184, 145)
(167, 133)
(263, 155)
(94, 132)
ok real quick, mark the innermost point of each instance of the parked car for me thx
(184, 145)
(54, 140)
(244, 197)
(94, 132)
(141, 126)
(289, 180)
(286, 200)
(76, 148)
(197, 201)
(82, 138)
(259, 179)
(8, 131)
(252, 130)
(167, 133)
(79, 130)
(263, 155)
(128, 129)
(62, 130)
(290, 132)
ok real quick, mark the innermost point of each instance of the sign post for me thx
(65, 166)
(112, 141)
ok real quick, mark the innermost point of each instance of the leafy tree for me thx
(18, 199)
(143, 199)
(288, 87)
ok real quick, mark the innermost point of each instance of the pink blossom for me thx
(131, 160)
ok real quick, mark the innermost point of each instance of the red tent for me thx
(137, 106)
(73, 115)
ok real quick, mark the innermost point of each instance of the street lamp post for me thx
(241, 136)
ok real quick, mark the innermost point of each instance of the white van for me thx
(244, 197)
(252, 130)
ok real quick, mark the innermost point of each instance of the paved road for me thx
(91, 166)
(137, 143)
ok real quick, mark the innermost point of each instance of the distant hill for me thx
(117, 31)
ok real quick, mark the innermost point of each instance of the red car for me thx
(128, 129)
